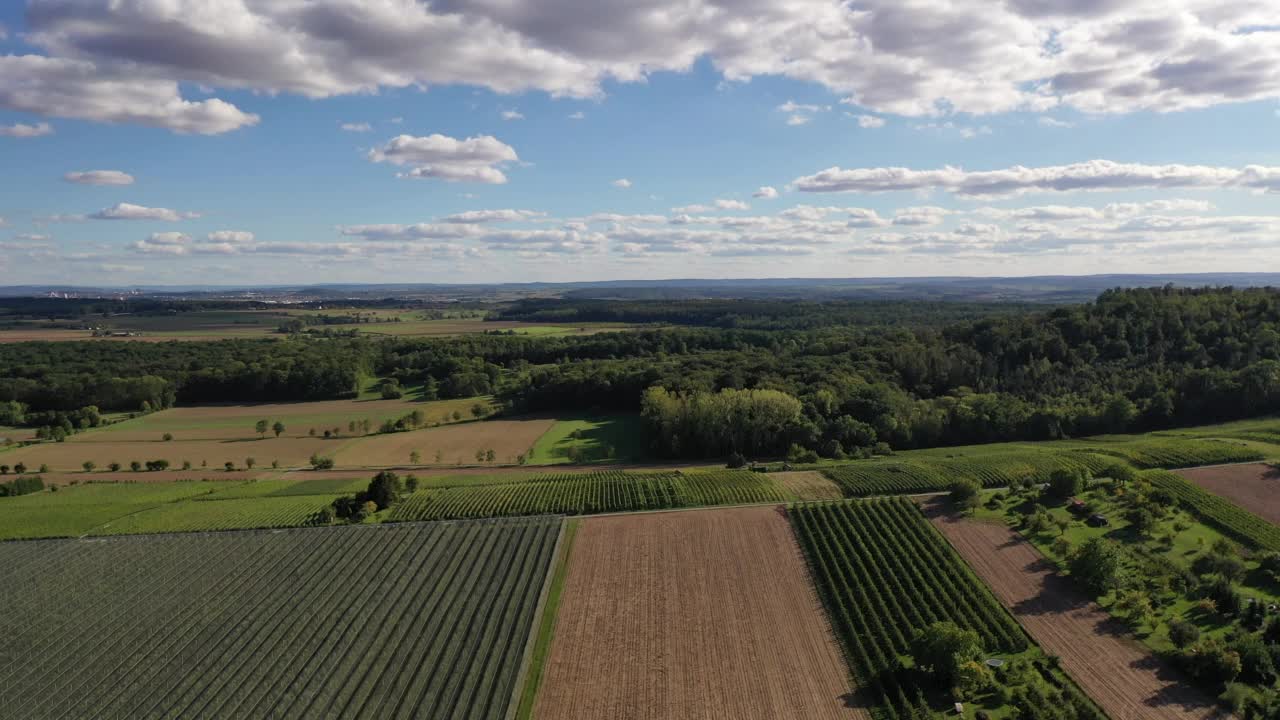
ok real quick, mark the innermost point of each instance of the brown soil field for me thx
(236, 422)
(1254, 487)
(1122, 676)
(808, 485)
(99, 476)
(457, 443)
(70, 455)
(698, 614)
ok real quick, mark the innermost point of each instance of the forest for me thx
(906, 374)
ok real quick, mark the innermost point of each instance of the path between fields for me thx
(1119, 674)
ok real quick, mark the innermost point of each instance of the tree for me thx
(1099, 565)
(1135, 606)
(229, 466)
(384, 490)
(312, 432)
(477, 411)
(490, 455)
(88, 466)
(415, 458)
(135, 466)
(113, 467)
(480, 455)
(278, 428)
(44, 468)
(736, 460)
(1064, 483)
(1122, 473)
(4, 469)
(167, 437)
(942, 648)
(965, 494)
(411, 483)
(1183, 633)
(250, 462)
(391, 389)
(261, 428)
(321, 463)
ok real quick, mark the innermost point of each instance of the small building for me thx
(1096, 520)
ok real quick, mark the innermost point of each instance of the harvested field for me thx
(701, 614)
(236, 422)
(70, 455)
(1120, 675)
(1254, 487)
(457, 444)
(808, 485)
(404, 621)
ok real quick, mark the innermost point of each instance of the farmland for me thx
(885, 575)
(590, 493)
(1253, 486)
(605, 439)
(692, 614)
(1121, 676)
(448, 445)
(396, 621)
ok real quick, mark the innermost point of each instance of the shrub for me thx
(1183, 633)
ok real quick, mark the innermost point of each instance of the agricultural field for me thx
(807, 485)
(207, 457)
(1154, 452)
(591, 493)
(1254, 486)
(1226, 517)
(703, 614)
(1123, 677)
(447, 445)
(403, 621)
(78, 510)
(587, 440)
(884, 575)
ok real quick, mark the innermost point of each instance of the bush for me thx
(1183, 633)
(801, 455)
(321, 463)
(736, 460)
(1064, 482)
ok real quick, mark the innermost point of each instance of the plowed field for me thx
(703, 614)
(1254, 487)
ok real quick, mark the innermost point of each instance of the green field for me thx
(591, 440)
(424, 621)
(79, 509)
(884, 574)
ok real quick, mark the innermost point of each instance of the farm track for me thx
(413, 620)
(1120, 675)
(691, 615)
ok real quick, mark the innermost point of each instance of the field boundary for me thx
(529, 678)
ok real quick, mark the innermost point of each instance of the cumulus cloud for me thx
(621, 183)
(231, 236)
(21, 130)
(475, 159)
(99, 177)
(865, 218)
(926, 215)
(359, 127)
(165, 243)
(719, 204)
(493, 216)
(765, 193)
(1095, 175)
(870, 121)
(907, 57)
(62, 87)
(512, 115)
(1046, 121)
(129, 211)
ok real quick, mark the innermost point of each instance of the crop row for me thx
(391, 621)
(589, 493)
(1228, 518)
(235, 514)
(884, 574)
(1172, 453)
(933, 474)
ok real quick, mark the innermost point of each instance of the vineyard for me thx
(392, 621)
(1171, 453)
(1223, 515)
(923, 473)
(76, 510)
(234, 514)
(884, 574)
(590, 493)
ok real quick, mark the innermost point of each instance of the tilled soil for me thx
(1122, 676)
(1254, 487)
(701, 614)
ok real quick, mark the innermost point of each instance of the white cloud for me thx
(791, 106)
(165, 243)
(579, 115)
(99, 177)
(20, 130)
(493, 216)
(358, 127)
(231, 236)
(511, 115)
(719, 204)
(765, 192)
(60, 87)
(621, 183)
(1046, 121)
(926, 215)
(1095, 175)
(476, 159)
(865, 218)
(798, 120)
(129, 211)
(870, 121)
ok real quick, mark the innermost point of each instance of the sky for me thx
(258, 142)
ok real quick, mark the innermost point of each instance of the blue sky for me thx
(1020, 149)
